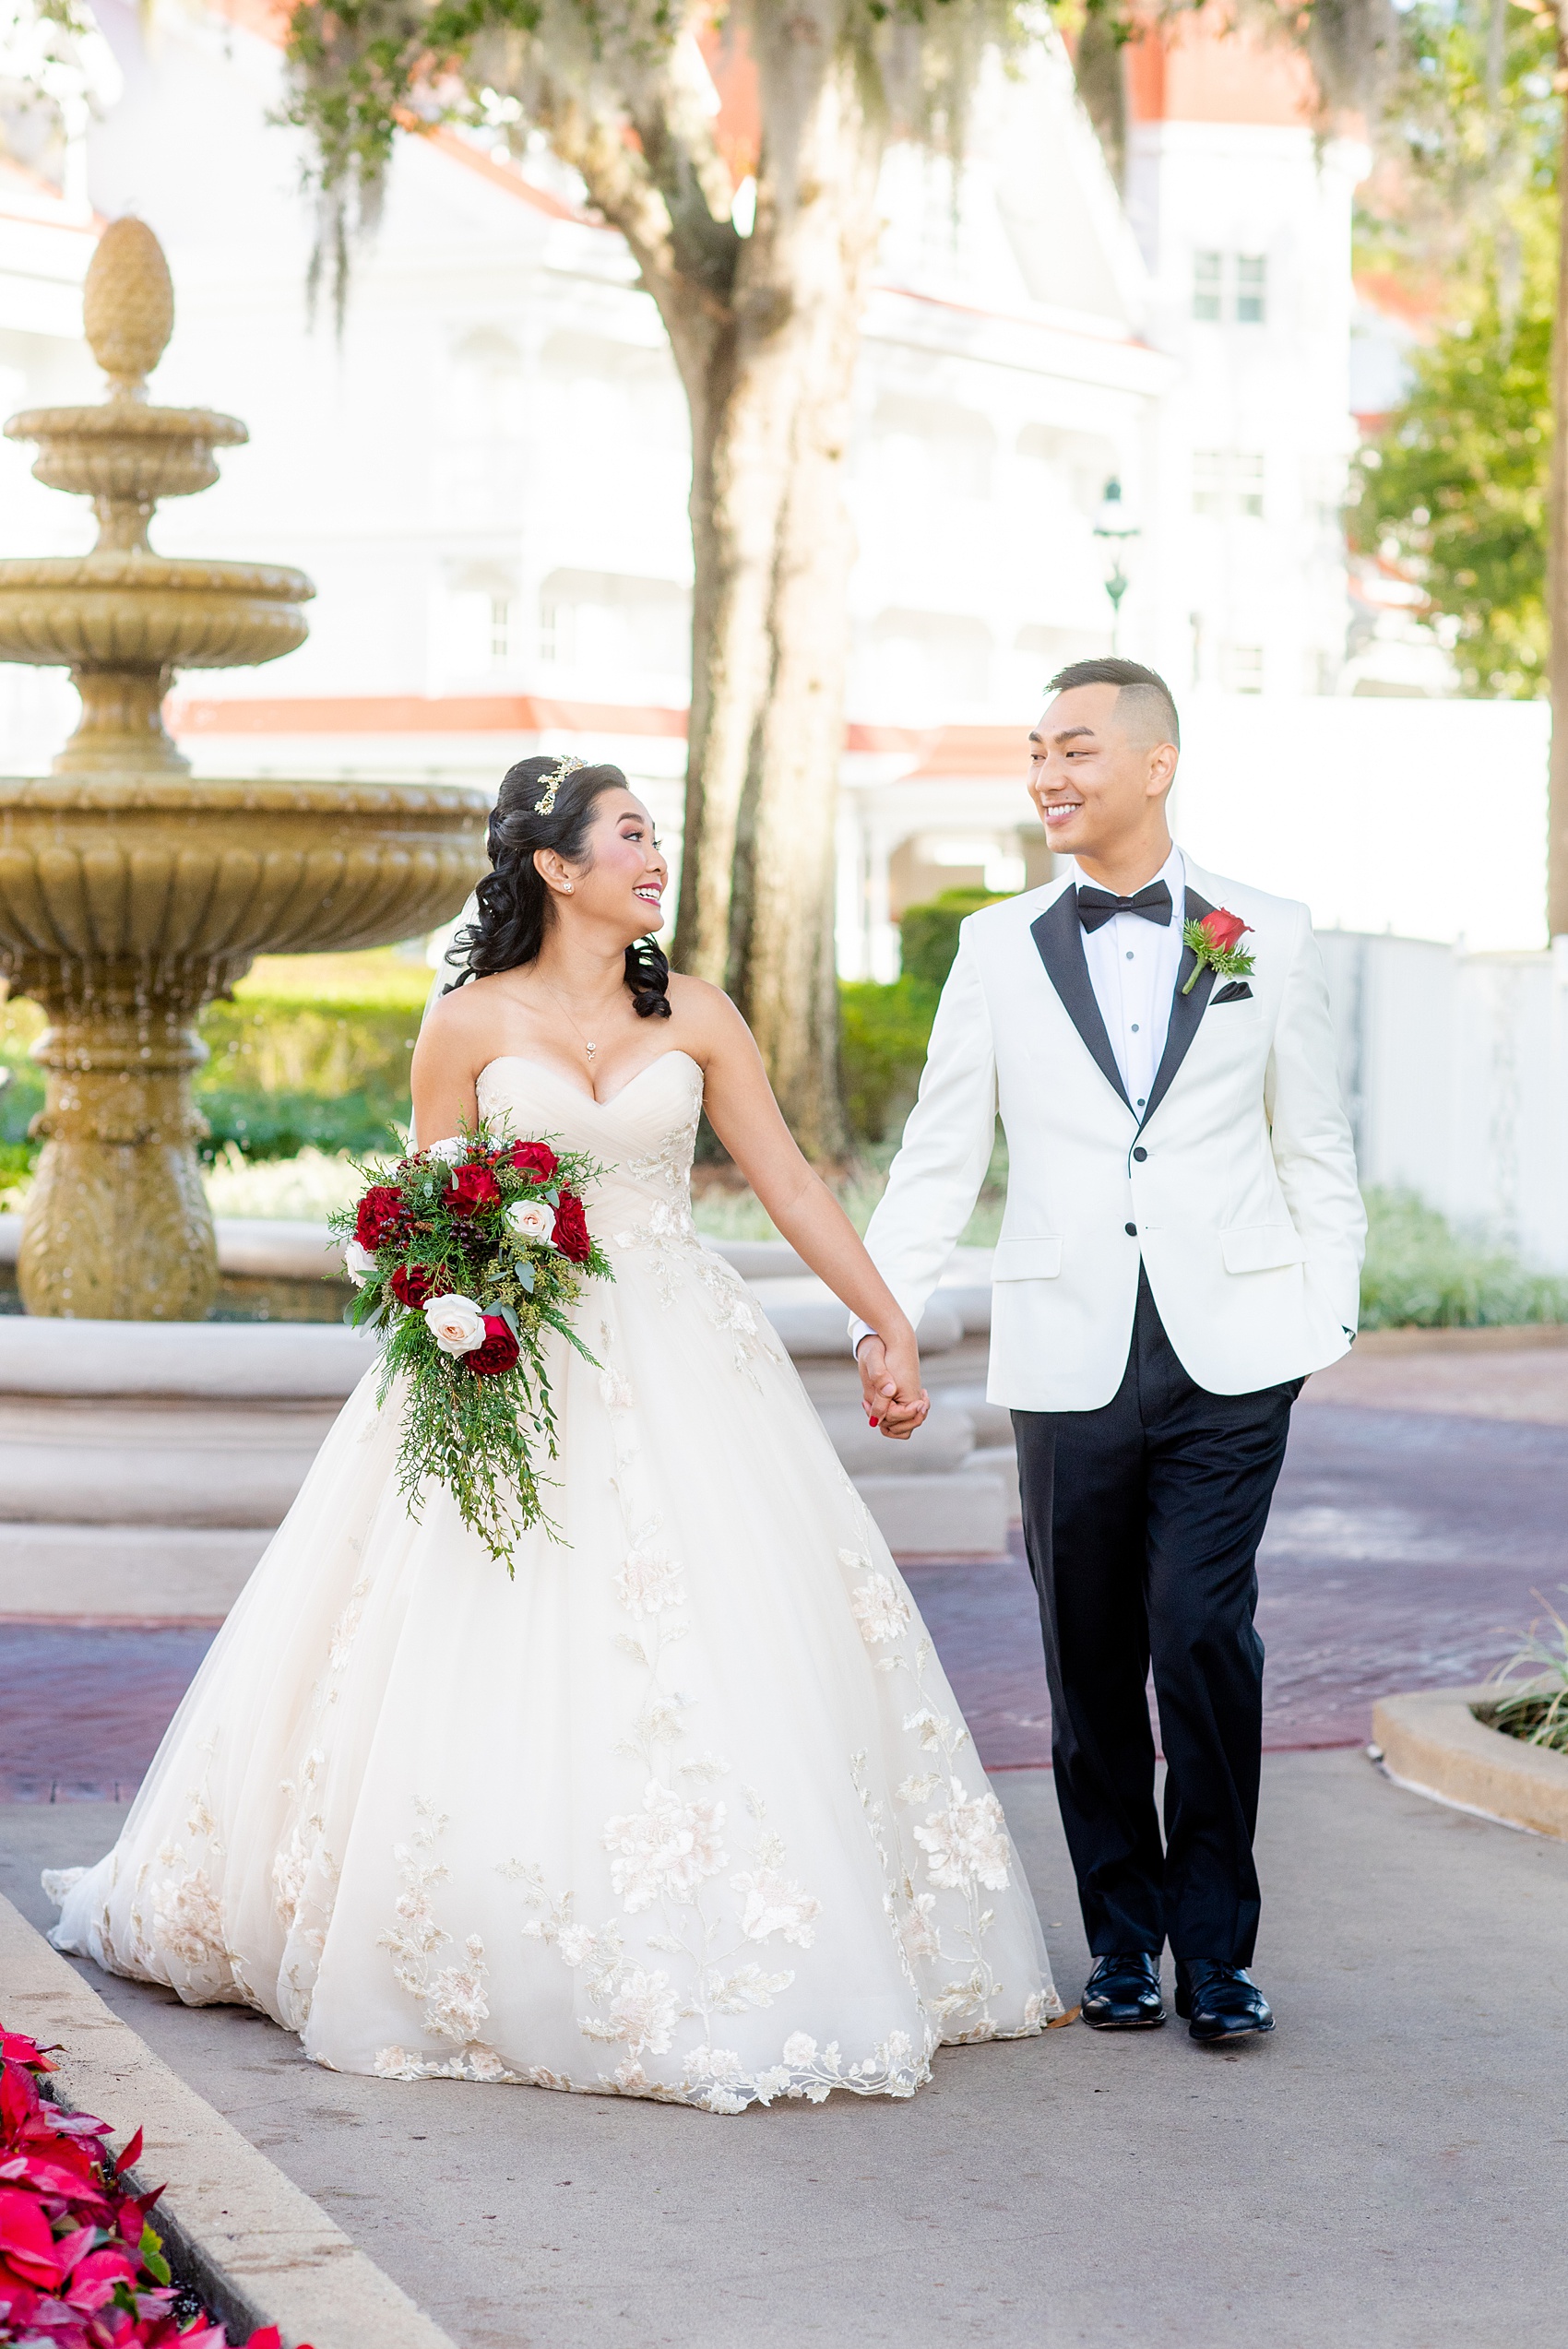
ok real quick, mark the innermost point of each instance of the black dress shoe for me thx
(1219, 2002)
(1123, 1993)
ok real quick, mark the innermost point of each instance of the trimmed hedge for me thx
(883, 1034)
(929, 932)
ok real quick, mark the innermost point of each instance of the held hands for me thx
(890, 1385)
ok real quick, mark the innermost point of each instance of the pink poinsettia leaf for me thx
(27, 2238)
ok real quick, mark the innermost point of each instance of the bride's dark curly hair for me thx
(513, 898)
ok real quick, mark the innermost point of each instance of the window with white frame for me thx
(1252, 289)
(1246, 482)
(1209, 283)
(1243, 668)
(1208, 481)
(1232, 286)
(1227, 482)
(501, 632)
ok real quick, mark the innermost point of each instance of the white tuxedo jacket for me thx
(1237, 1188)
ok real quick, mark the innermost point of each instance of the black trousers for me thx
(1142, 1521)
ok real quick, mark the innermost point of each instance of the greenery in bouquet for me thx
(465, 1258)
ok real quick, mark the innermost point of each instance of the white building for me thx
(487, 479)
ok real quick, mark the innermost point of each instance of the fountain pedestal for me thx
(131, 892)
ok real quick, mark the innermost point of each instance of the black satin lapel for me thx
(1186, 1010)
(1058, 935)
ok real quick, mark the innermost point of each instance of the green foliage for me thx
(312, 1051)
(1537, 1713)
(1421, 1273)
(286, 1071)
(1454, 485)
(605, 83)
(929, 932)
(883, 1035)
(1453, 488)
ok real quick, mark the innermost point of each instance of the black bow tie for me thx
(1097, 905)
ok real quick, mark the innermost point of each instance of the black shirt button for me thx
(1131, 1230)
(1140, 1154)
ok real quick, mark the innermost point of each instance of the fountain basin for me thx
(112, 609)
(126, 903)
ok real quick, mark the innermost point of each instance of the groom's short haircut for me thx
(1144, 700)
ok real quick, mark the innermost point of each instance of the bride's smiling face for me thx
(620, 876)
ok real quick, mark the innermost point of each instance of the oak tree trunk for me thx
(772, 548)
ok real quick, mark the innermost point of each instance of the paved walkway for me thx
(1411, 1529)
(1389, 2171)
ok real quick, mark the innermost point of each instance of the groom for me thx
(1180, 1247)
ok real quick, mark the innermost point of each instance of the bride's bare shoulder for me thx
(703, 1010)
(463, 1014)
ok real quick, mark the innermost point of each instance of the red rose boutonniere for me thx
(1215, 942)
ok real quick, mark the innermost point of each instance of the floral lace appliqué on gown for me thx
(685, 1811)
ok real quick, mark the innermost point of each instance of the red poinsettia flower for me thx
(472, 1188)
(571, 1233)
(380, 1217)
(498, 1352)
(536, 1159)
(1222, 930)
(414, 1286)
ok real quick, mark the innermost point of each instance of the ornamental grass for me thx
(1539, 1712)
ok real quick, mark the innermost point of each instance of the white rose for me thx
(359, 1264)
(531, 1219)
(456, 1323)
(449, 1151)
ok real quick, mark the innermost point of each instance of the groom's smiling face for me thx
(1097, 777)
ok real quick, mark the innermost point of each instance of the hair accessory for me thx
(545, 804)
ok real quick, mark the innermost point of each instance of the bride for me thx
(686, 1810)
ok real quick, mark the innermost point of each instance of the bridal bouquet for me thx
(464, 1260)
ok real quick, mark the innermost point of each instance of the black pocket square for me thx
(1237, 992)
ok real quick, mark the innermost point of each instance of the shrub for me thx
(883, 1035)
(929, 932)
(1421, 1273)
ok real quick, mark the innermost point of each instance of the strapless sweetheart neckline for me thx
(523, 1060)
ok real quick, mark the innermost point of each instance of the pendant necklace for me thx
(588, 1048)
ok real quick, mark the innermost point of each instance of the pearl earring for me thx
(568, 887)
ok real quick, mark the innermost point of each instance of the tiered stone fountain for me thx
(131, 893)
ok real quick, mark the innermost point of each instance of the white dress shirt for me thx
(1133, 969)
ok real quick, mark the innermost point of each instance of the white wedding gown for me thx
(686, 1810)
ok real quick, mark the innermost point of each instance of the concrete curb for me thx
(1433, 1743)
(258, 2249)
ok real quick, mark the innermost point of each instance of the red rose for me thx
(1222, 930)
(536, 1159)
(414, 1286)
(472, 1188)
(380, 1217)
(571, 1233)
(499, 1351)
